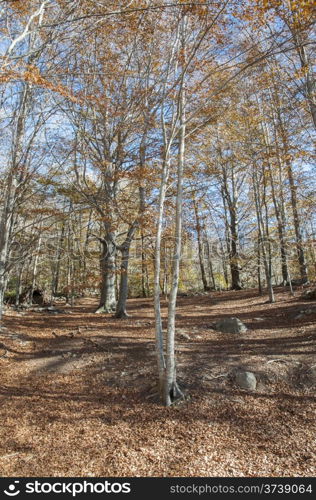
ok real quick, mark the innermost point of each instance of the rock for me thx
(310, 311)
(312, 375)
(306, 376)
(309, 295)
(230, 325)
(300, 282)
(305, 312)
(312, 372)
(246, 380)
(26, 343)
(53, 310)
(184, 336)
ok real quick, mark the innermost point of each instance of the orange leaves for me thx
(6, 76)
(22, 6)
(32, 75)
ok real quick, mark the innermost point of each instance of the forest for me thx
(157, 238)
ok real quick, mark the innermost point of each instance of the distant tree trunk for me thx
(309, 90)
(123, 289)
(34, 269)
(142, 164)
(68, 285)
(313, 246)
(281, 229)
(70, 294)
(2, 290)
(234, 256)
(262, 234)
(224, 262)
(59, 251)
(297, 223)
(85, 249)
(293, 187)
(266, 233)
(4, 231)
(145, 287)
(107, 302)
(200, 246)
(230, 206)
(210, 265)
(18, 289)
(164, 287)
(260, 289)
(11, 182)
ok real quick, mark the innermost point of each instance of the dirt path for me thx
(76, 395)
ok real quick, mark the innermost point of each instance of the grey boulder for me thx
(246, 380)
(230, 325)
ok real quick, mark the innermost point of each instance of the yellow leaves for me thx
(299, 9)
(301, 72)
(301, 5)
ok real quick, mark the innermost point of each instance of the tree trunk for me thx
(234, 255)
(11, 184)
(281, 230)
(158, 321)
(107, 302)
(210, 265)
(297, 224)
(55, 283)
(19, 285)
(172, 391)
(306, 66)
(262, 233)
(232, 238)
(123, 290)
(260, 289)
(145, 287)
(200, 246)
(293, 190)
(34, 268)
(2, 290)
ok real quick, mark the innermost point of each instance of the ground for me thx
(77, 391)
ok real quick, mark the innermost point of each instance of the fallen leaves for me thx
(90, 414)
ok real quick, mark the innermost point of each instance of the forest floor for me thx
(77, 399)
